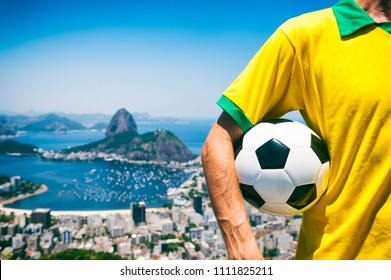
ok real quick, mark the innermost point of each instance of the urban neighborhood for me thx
(185, 228)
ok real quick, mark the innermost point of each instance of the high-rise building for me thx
(20, 220)
(15, 182)
(41, 216)
(116, 231)
(138, 213)
(32, 242)
(13, 229)
(197, 204)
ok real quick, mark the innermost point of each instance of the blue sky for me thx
(168, 58)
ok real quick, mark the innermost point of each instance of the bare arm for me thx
(220, 174)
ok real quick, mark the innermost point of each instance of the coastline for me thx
(7, 210)
(83, 213)
(42, 189)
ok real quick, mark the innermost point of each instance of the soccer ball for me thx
(282, 167)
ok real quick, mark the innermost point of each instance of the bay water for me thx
(98, 185)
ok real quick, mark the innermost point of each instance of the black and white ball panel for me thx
(303, 159)
(247, 166)
(274, 185)
(282, 167)
(273, 154)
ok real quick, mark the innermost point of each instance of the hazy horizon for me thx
(33, 113)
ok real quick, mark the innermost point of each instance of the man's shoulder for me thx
(310, 23)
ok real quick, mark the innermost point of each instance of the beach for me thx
(44, 188)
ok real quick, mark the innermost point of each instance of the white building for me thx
(212, 223)
(124, 248)
(47, 242)
(7, 187)
(175, 214)
(120, 220)
(269, 242)
(94, 220)
(102, 244)
(208, 214)
(284, 242)
(195, 233)
(32, 242)
(196, 219)
(21, 220)
(116, 231)
(70, 221)
(167, 226)
(17, 241)
(94, 231)
(208, 236)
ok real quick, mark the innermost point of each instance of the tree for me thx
(168, 236)
(167, 205)
(80, 254)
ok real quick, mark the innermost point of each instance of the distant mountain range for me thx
(61, 122)
(49, 122)
(6, 128)
(53, 122)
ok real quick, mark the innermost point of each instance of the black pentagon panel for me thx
(251, 195)
(272, 154)
(302, 196)
(320, 149)
(279, 120)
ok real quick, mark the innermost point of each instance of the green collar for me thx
(351, 18)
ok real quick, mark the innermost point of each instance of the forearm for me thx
(225, 195)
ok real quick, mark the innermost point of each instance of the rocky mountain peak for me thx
(122, 121)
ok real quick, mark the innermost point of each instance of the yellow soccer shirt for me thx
(333, 65)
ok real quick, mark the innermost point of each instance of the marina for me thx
(98, 185)
(94, 185)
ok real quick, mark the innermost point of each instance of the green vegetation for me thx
(4, 179)
(13, 147)
(80, 254)
(29, 187)
(173, 247)
(160, 145)
(167, 205)
(26, 187)
(6, 218)
(168, 236)
(5, 243)
(269, 254)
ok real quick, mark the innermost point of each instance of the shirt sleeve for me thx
(268, 87)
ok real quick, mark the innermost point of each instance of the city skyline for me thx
(168, 59)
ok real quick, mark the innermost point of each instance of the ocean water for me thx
(97, 185)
